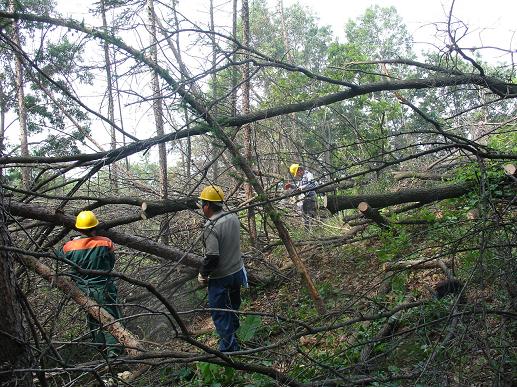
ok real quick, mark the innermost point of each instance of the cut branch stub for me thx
(144, 208)
(373, 214)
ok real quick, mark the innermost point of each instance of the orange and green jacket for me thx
(95, 253)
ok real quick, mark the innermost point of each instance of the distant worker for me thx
(305, 181)
(222, 269)
(95, 253)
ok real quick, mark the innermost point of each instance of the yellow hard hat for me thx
(212, 194)
(294, 168)
(86, 220)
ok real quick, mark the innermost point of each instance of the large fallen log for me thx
(342, 202)
(414, 264)
(65, 284)
(400, 175)
(142, 244)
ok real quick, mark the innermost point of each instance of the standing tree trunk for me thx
(111, 105)
(290, 121)
(213, 146)
(14, 350)
(235, 71)
(119, 105)
(158, 118)
(3, 109)
(20, 95)
(186, 155)
(248, 137)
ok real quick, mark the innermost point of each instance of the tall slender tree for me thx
(109, 93)
(247, 128)
(20, 96)
(214, 149)
(158, 117)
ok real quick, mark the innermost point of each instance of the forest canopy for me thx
(404, 272)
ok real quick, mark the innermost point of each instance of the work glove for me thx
(202, 280)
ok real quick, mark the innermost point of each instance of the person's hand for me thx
(202, 280)
(287, 186)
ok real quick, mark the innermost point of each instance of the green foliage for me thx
(394, 241)
(398, 283)
(380, 33)
(206, 374)
(492, 175)
(504, 141)
(248, 327)
(215, 375)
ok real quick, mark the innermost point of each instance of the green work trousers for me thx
(106, 296)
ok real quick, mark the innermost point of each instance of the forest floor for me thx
(348, 278)
(280, 327)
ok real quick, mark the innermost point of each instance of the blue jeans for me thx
(225, 293)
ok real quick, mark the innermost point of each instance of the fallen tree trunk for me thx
(142, 244)
(124, 336)
(414, 264)
(373, 214)
(337, 203)
(400, 175)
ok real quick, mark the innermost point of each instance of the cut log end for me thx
(473, 214)
(363, 207)
(510, 169)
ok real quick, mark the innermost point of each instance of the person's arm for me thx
(210, 263)
(211, 260)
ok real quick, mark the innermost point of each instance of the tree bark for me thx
(66, 285)
(414, 264)
(337, 203)
(248, 135)
(214, 152)
(158, 118)
(14, 349)
(373, 214)
(20, 96)
(3, 111)
(109, 91)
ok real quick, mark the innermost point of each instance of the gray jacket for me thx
(221, 237)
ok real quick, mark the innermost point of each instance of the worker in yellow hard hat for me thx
(95, 253)
(222, 268)
(304, 181)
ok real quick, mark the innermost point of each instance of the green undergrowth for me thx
(347, 277)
